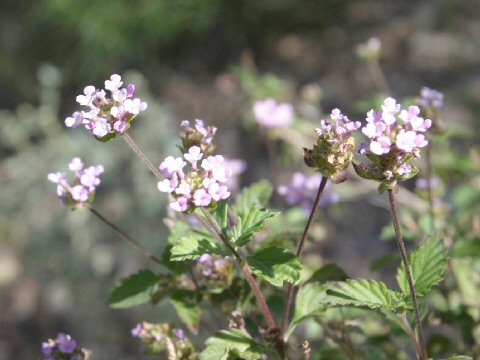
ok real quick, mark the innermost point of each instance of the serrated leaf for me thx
(220, 213)
(427, 264)
(187, 307)
(179, 230)
(134, 290)
(194, 245)
(250, 222)
(175, 267)
(256, 194)
(328, 272)
(275, 265)
(363, 293)
(226, 343)
(307, 305)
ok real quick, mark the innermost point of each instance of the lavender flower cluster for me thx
(302, 189)
(200, 186)
(215, 271)
(396, 137)
(158, 337)
(430, 97)
(107, 115)
(271, 114)
(63, 347)
(83, 189)
(198, 135)
(334, 149)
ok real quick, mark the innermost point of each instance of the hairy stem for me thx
(429, 175)
(403, 252)
(292, 288)
(410, 332)
(243, 266)
(142, 156)
(125, 236)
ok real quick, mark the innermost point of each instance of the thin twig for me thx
(403, 252)
(125, 236)
(410, 332)
(142, 156)
(301, 245)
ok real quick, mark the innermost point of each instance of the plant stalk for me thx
(429, 175)
(292, 288)
(142, 156)
(422, 355)
(125, 236)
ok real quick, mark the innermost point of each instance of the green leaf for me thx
(220, 214)
(179, 230)
(275, 265)
(308, 304)
(427, 264)
(328, 272)
(175, 267)
(460, 357)
(363, 293)
(250, 222)
(256, 194)
(134, 290)
(188, 310)
(466, 248)
(194, 245)
(230, 344)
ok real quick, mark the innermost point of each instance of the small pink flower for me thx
(271, 114)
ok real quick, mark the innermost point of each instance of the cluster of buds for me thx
(200, 186)
(334, 149)
(107, 116)
(302, 189)
(83, 189)
(396, 137)
(198, 135)
(215, 271)
(430, 101)
(370, 50)
(271, 114)
(161, 337)
(63, 348)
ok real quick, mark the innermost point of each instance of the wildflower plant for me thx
(229, 261)
(63, 347)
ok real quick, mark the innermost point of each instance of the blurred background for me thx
(189, 59)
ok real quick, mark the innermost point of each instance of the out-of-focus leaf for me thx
(328, 272)
(187, 307)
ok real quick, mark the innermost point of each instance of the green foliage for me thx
(187, 307)
(275, 265)
(308, 304)
(427, 264)
(363, 293)
(250, 222)
(134, 290)
(220, 214)
(466, 248)
(328, 272)
(230, 344)
(257, 194)
(194, 245)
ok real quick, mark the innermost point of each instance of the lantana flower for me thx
(334, 149)
(271, 114)
(82, 190)
(194, 180)
(395, 138)
(63, 347)
(107, 116)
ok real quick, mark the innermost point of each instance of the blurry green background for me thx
(57, 266)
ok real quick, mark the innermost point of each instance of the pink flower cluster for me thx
(394, 129)
(338, 129)
(107, 114)
(200, 186)
(271, 114)
(86, 181)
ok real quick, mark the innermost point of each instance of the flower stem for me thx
(292, 288)
(429, 175)
(142, 156)
(422, 354)
(243, 266)
(125, 236)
